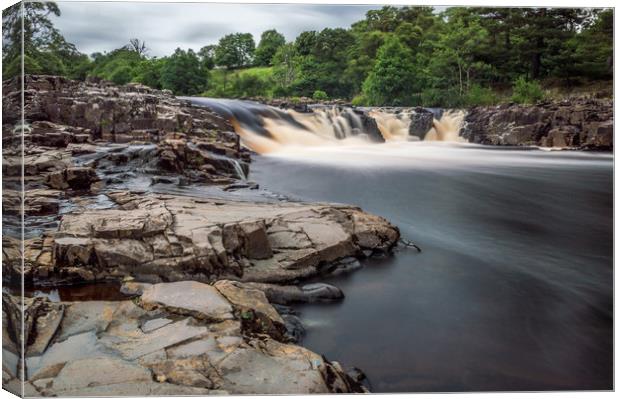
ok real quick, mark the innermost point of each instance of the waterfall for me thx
(238, 169)
(448, 127)
(393, 127)
(265, 129)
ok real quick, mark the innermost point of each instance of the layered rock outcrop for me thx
(576, 123)
(112, 113)
(169, 238)
(183, 338)
(62, 113)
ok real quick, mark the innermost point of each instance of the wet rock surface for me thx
(132, 348)
(577, 123)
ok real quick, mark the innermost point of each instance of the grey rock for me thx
(197, 299)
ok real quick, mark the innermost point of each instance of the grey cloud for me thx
(104, 26)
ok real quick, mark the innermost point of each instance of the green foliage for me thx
(285, 67)
(121, 75)
(249, 86)
(526, 92)
(119, 66)
(359, 101)
(478, 95)
(148, 72)
(394, 56)
(235, 50)
(270, 42)
(393, 77)
(45, 50)
(250, 82)
(321, 62)
(319, 95)
(183, 74)
(207, 56)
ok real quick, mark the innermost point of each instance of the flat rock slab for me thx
(264, 374)
(197, 299)
(246, 297)
(158, 237)
(136, 345)
(132, 350)
(143, 388)
(88, 316)
(76, 347)
(79, 374)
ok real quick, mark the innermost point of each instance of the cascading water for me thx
(513, 289)
(265, 129)
(447, 128)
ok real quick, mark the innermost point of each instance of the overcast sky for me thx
(104, 26)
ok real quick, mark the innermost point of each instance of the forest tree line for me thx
(394, 56)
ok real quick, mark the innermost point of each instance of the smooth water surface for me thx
(513, 288)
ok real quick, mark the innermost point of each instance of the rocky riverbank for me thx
(579, 123)
(132, 185)
(184, 338)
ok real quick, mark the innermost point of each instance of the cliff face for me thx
(578, 123)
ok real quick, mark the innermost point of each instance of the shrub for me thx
(249, 86)
(359, 101)
(446, 98)
(526, 92)
(478, 95)
(281, 91)
(121, 75)
(319, 95)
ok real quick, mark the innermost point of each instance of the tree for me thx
(207, 56)
(120, 65)
(392, 79)
(458, 48)
(148, 72)
(270, 42)
(183, 74)
(542, 31)
(305, 42)
(589, 53)
(138, 46)
(235, 50)
(38, 29)
(322, 62)
(45, 49)
(284, 62)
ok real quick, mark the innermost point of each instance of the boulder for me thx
(421, 122)
(74, 177)
(285, 294)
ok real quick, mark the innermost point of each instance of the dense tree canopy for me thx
(270, 42)
(395, 55)
(183, 73)
(235, 50)
(392, 80)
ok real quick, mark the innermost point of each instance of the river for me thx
(513, 289)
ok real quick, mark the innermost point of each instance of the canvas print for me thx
(225, 198)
